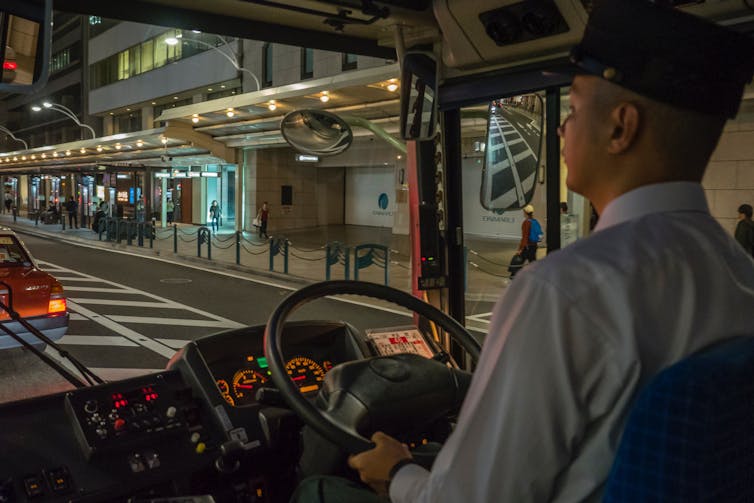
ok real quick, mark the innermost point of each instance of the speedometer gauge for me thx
(222, 385)
(245, 381)
(306, 373)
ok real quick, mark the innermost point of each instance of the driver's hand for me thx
(374, 465)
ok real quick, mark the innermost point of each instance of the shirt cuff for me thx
(407, 483)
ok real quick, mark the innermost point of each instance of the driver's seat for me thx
(690, 435)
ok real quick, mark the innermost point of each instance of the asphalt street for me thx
(130, 314)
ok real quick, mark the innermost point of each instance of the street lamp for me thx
(232, 58)
(9, 133)
(65, 111)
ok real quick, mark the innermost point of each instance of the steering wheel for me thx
(377, 393)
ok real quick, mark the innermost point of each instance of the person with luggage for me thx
(531, 235)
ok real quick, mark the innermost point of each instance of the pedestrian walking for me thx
(214, 216)
(72, 207)
(262, 216)
(531, 235)
(745, 228)
(170, 208)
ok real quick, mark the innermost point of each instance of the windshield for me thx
(152, 180)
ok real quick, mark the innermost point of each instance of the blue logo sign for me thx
(382, 201)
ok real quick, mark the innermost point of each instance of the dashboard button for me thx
(34, 486)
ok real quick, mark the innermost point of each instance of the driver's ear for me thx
(624, 121)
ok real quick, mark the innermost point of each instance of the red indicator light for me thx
(10, 65)
(424, 259)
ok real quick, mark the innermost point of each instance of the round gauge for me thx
(222, 385)
(245, 381)
(306, 373)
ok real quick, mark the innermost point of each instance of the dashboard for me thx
(202, 426)
(311, 351)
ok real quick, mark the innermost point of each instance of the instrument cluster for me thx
(239, 385)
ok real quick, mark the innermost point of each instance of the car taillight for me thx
(10, 65)
(4, 300)
(57, 300)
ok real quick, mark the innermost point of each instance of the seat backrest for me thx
(689, 436)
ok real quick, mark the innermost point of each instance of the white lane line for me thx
(129, 303)
(179, 322)
(229, 323)
(481, 317)
(98, 289)
(174, 343)
(77, 317)
(126, 332)
(63, 279)
(96, 340)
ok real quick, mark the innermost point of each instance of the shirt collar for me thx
(655, 198)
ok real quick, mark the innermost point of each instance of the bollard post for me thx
(15, 213)
(140, 240)
(129, 238)
(203, 235)
(36, 218)
(175, 238)
(117, 230)
(238, 247)
(62, 221)
(152, 231)
(285, 257)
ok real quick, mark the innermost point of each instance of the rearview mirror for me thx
(418, 96)
(512, 148)
(25, 35)
(316, 132)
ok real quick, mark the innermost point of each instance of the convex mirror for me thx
(512, 149)
(316, 132)
(25, 35)
(418, 96)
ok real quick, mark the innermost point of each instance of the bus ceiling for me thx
(473, 37)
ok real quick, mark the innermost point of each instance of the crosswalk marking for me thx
(174, 343)
(96, 340)
(97, 289)
(77, 317)
(181, 322)
(481, 317)
(126, 332)
(129, 303)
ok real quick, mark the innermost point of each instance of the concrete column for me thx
(147, 117)
(164, 203)
(107, 126)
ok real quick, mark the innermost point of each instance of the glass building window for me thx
(267, 65)
(349, 61)
(307, 63)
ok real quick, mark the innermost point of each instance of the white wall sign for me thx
(370, 196)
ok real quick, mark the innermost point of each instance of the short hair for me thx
(685, 138)
(745, 209)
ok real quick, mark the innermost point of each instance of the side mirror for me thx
(512, 148)
(418, 96)
(25, 42)
(316, 132)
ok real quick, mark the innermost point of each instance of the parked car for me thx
(36, 295)
(9, 65)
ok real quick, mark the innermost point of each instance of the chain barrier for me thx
(374, 254)
(337, 253)
(279, 246)
(476, 253)
(250, 252)
(203, 235)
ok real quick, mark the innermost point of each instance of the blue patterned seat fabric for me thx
(690, 434)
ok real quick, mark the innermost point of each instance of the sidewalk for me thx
(486, 263)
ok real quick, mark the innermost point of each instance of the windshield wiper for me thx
(91, 377)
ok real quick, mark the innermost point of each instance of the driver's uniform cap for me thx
(666, 55)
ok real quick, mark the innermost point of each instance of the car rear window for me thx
(11, 253)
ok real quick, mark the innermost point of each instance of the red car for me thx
(36, 295)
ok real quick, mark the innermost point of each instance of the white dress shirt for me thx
(574, 337)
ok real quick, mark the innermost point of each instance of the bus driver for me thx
(577, 334)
